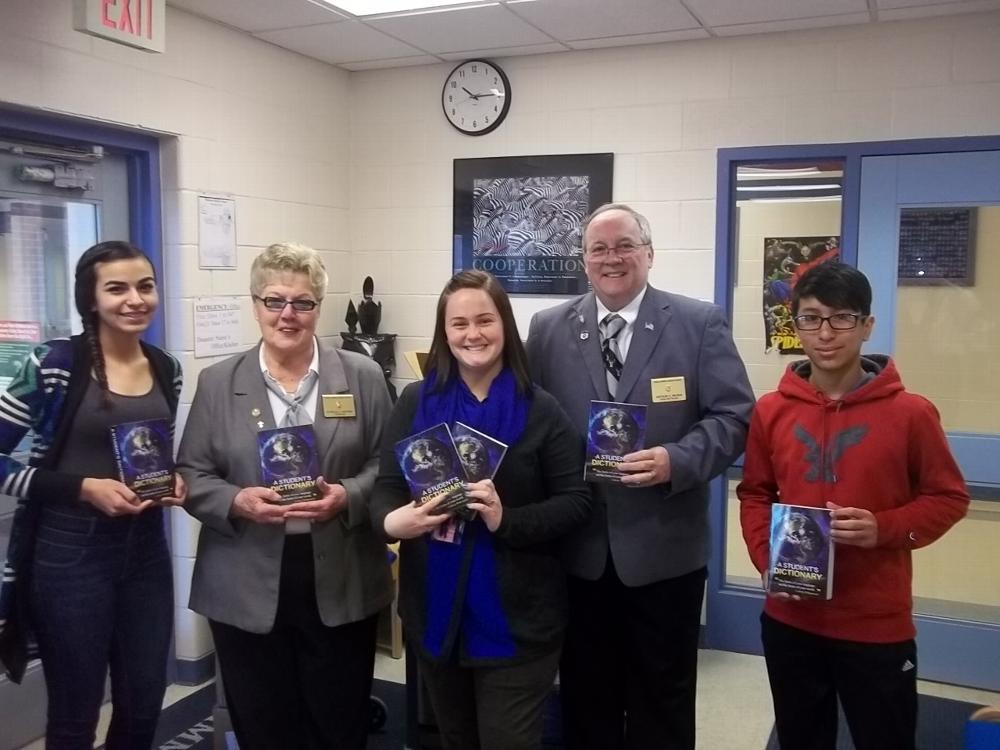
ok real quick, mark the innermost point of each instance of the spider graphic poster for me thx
(786, 259)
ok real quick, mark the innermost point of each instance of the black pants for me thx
(303, 686)
(876, 684)
(490, 708)
(630, 663)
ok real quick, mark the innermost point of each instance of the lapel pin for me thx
(260, 425)
(584, 335)
(255, 412)
(649, 326)
(581, 319)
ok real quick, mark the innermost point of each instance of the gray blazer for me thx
(237, 571)
(658, 532)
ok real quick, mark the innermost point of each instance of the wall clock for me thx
(476, 97)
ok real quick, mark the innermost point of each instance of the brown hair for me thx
(85, 297)
(440, 360)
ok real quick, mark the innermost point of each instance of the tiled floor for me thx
(734, 705)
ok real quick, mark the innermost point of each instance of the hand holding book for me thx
(412, 520)
(111, 497)
(258, 504)
(646, 467)
(854, 526)
(332, 500)
(484, 498)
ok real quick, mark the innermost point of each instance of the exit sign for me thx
(137, 23)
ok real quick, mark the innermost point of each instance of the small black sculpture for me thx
(378, 346)
(351, 318)
(369, 311)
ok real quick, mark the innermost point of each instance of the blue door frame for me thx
(142, 156)
(732, 611)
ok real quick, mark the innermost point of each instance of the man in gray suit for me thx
(637, 571)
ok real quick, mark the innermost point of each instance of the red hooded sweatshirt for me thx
(878, 448)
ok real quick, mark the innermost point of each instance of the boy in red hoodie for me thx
(842, 433)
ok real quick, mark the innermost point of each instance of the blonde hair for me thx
(288, 257)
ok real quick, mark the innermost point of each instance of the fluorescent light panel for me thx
(779, 187)
(804, 199)
(377, 7)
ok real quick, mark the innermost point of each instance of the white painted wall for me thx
(359, 165)
(663, 110)
(238, 116)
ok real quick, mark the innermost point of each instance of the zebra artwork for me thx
(529, 216)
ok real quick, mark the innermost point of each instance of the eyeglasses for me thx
(624, 249)
(277, 304)
(837, 321)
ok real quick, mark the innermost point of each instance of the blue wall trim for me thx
(142, 154)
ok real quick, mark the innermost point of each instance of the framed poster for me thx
(519, 218)
(937, 246)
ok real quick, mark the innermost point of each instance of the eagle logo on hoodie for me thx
(822, 464)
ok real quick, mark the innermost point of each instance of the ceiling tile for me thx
(894, 10)
(396, 62)
(591, 19)
(887, 4)
(261, 15)
(626, 41)
(350, 41)
(531, 49)
(484, 27)
(793, 25)
(728, 13)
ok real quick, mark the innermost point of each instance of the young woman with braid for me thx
(88, 576)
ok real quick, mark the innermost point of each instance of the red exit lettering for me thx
(130, 16)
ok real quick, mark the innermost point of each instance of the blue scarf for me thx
(461, 578)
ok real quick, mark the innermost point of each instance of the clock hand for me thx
(474, 96)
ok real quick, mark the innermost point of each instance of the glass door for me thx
(929, 240)
(54, 204)
(922, 219)
(786, 218)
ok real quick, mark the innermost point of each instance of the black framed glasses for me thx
(624, 249)
(277, 304)
(837, 321)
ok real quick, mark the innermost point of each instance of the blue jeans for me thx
(101, 595)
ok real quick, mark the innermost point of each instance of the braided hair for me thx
(85, 298)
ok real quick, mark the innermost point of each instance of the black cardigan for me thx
(540, 484)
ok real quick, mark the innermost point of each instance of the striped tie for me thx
(611, 326)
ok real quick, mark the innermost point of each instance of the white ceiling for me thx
(504, 28)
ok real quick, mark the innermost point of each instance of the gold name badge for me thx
(339, 405)
(666, 390)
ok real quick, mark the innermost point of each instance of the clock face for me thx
(476, 97)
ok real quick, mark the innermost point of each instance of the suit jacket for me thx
(238, 568)
(657, 532)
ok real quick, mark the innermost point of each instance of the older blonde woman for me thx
(291, 592)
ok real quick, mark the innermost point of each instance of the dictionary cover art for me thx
(432, 468)
(801, 559)
(613, 431)
(479, 453)
(289, 462)
(144, 455)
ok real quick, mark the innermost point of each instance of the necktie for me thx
(296, 414)
(611, 326)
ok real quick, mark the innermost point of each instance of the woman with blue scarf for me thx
(485, 608)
